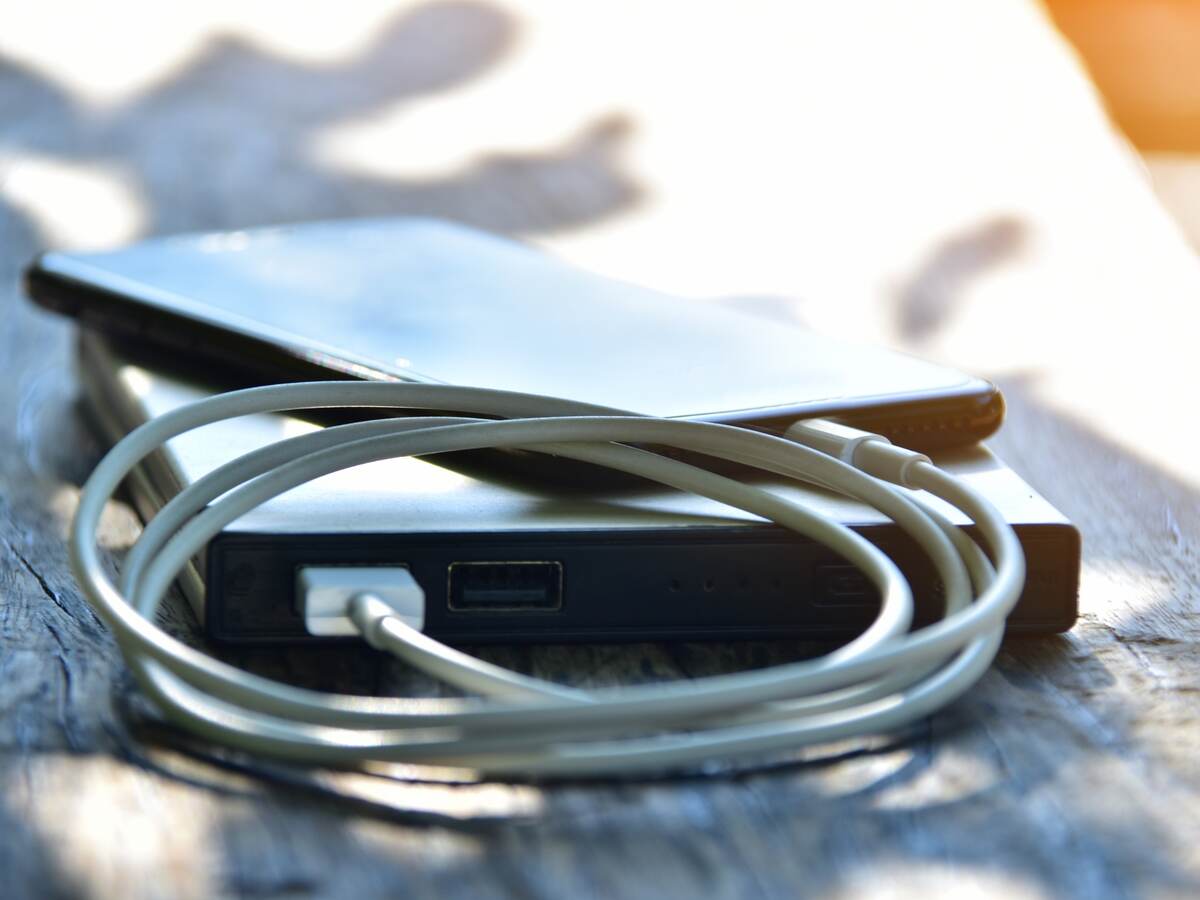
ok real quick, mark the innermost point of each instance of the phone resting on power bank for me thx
(422, 300)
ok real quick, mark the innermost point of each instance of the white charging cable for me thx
(517, 725)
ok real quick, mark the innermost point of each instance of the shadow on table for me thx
(227, 140)
(28, 863)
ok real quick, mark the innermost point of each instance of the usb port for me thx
(519, 586)
(844, 585)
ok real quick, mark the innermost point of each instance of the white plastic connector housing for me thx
(831, 438)
(324, 593)
(872, 453)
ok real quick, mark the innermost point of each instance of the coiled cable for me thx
(886, 677)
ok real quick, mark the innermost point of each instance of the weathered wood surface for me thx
(933, 177)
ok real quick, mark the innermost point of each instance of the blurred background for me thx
(1144, 56)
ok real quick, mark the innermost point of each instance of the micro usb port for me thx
(518, 586)
(844, 585)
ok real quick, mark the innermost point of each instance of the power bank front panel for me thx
(651, 584)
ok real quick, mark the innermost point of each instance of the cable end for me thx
(832, 438)
(325, 595)
(871, 453)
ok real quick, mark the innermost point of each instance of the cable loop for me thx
(886, 677)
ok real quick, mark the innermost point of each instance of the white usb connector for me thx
(872, 453)
(324, 593)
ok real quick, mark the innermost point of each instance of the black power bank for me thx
(504, 560)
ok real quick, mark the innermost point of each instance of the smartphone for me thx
(414, 299)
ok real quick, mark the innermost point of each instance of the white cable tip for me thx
(872, 453)
(832, 438)
(889, 462)
(324, 595)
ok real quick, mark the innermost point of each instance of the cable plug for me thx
(871, 453)
(325, 595)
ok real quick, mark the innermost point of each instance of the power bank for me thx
(505, 560)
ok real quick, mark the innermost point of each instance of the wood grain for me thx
(896, 173)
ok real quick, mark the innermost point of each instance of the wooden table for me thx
(937, 176)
